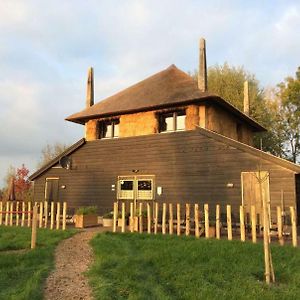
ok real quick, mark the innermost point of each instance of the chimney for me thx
(90, 89)
(202, 72)
(246, 99)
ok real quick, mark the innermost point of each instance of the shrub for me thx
(86, 210)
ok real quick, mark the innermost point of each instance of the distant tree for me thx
(49, 152)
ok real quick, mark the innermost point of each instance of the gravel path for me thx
(72, 258)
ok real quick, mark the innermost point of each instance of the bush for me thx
(87, 210)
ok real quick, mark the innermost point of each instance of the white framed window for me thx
(109, 129)
(172, 121)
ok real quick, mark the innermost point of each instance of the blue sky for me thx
(47, 47)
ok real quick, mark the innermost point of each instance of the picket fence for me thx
(192, 223)
(19, 213)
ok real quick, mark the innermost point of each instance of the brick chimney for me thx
(91, 128)
(202, 72)
(246, 99)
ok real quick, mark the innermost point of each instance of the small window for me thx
(109, 129)
(174, 121)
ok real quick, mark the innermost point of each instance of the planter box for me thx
(107, 222)
(82, 221)
(212, 231)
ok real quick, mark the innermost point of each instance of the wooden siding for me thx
(189, 166)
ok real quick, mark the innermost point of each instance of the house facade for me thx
(167, 139)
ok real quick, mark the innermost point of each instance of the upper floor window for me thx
(109, 129)
(173, 121)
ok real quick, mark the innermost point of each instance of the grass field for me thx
(133, 266)
(23, 271)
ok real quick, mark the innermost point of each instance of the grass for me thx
(23, 271)
(133, 266)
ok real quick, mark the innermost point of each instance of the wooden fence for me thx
(202, 221)
(18, 213)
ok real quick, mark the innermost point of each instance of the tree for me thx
(49, 152)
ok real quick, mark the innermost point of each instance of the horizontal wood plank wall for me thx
(188, 165)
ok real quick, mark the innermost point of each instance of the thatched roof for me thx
(170, 87)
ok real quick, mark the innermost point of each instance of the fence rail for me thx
(202, 221)
(18, 213)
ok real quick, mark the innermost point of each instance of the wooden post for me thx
(115, 217)
(156, 218)
(164, 218)
(1, 208)
(206, 219)
(23, 214)
(229, 225)
(46, 213)
(141, 217)
(170, 218)
(52, 215)
(11, 214)
(17, 213)
(34, 227)
(29, 214)
(123, 217)
(253, 223)
(178, 219)
(196, 214)
(218, 233)
(57, 215)
(294, 226)
(6, 213)
(279, 226)
(41, 215)
(148, 218)
(187, 219)
(242, 224)
(131, 219)
(64, 215)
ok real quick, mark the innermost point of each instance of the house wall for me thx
(189, 166)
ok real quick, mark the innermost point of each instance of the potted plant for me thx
(108, 219)
(86, 217)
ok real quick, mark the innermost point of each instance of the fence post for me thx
(242, 224)
(229, 225)
(178, 219)
(253, 223)
(131, 219)
(6, 213)
(29, 214)
(141, 217)
(23, 214)
(46, 213)
(115, 216)
(196, 214)
(123, 217)
(164, 218)
(206, 219)
(17, 213)
(34, 227)
(279, 226)
(52, 215)
(156, 218)
(41, 215)
(218, 234)
(148, 218)
(1, 208)
(294, 226)
(170, 218)
(11, 214)
(64, 215)
(187, 219)
(57, 215)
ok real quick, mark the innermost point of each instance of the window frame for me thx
(103, 125)
(175, 115)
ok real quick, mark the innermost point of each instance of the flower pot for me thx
(107, 222)
(83, 221)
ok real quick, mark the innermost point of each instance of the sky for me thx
(46, 48)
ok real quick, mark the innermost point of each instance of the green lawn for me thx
(22, 273)
(133, 266)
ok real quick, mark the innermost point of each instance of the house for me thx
(167, 139)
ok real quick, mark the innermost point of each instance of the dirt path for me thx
(72, 258)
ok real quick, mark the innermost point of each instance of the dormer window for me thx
(173, 121)
(109, 129)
